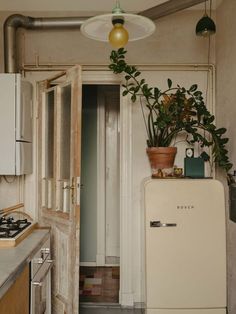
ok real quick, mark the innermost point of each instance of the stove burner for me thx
(10, 220)
(22, 221)
(12, 226)
(4, 234)
(4, 230)
(9, 228)
(3, 220)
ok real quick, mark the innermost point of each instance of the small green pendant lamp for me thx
(206, 26)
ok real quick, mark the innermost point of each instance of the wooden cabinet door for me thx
(17, 300)
(59, 176)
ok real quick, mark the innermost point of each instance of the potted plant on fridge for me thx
(170, 112)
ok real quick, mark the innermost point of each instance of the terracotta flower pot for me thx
(161, 158)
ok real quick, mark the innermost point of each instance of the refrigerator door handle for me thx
(158, 224)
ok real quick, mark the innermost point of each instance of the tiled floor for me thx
(107, 309)
(99, 292)
(99, 284)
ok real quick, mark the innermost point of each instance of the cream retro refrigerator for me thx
(185, 246)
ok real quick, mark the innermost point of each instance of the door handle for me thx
(68, 187)
(158, 224)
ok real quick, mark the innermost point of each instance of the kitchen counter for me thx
(13, 260)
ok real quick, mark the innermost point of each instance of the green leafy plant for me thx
(172, 111)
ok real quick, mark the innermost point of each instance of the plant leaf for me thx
(193, 88)
(205, 156)
(169, 82)
(133, 98)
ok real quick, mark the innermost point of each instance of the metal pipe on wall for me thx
(13, 22)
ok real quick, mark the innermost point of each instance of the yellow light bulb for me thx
(118, 36)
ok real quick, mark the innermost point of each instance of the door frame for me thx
(99, 75)
(105, 77)
(101, 181)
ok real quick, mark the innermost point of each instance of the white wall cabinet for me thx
(15, 125)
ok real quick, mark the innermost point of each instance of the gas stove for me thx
(14, 229)
(10, 227)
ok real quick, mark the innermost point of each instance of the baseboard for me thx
(137, 305)
(99, 305)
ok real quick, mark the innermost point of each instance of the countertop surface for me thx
(14, 259)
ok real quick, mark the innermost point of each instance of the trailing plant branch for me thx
(144, 118)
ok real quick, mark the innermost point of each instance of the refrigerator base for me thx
(185, 311)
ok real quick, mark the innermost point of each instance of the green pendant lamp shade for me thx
(206, 26)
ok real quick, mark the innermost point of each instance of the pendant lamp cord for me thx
(117, 9)
(209, 8)
(208, 53)
(117, 4)
(208, 66)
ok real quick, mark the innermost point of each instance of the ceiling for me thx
(83, 6)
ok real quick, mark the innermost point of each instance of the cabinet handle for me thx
(45, 250)
(38, 260)
(158, 224)
(37, 283)
(49, 261)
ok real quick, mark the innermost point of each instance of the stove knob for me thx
(10, 219)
